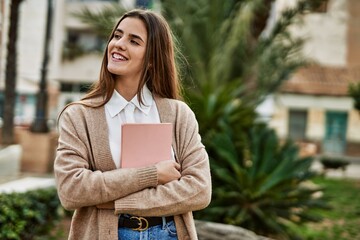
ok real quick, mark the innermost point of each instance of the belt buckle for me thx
(141, 221)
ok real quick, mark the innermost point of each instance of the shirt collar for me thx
(117, 103)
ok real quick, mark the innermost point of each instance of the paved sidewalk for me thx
(26, 184)
(25, 181)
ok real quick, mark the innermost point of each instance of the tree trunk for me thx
(260, 21)
(10, 76)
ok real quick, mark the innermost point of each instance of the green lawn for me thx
(342, 221)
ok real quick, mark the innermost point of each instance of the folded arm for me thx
(191, 192)
(77, 183)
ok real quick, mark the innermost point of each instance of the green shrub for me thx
(354, 92)
(263, 187)
(28, 215)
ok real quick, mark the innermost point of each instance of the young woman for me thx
(110, 202)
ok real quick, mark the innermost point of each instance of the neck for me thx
(126, 88)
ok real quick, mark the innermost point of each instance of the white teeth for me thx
(118, 56)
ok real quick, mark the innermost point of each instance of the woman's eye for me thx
(134, 42)
(117, 36)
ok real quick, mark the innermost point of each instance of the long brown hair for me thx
(159, 71)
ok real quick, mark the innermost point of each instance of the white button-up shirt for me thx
(116, 116)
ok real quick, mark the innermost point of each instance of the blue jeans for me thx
(165, 231)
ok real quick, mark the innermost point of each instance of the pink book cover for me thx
(144, 144)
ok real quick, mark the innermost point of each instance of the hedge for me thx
(29, 215)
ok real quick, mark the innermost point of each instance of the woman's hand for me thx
(167, 171)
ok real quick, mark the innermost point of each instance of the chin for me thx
(113, 70)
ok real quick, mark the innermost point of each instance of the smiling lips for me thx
(118, 56)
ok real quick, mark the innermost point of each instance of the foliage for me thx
(235, 62)
(102, 21)
(28, 215)
(343, 219)
(222, 46)
(262, 187)
(354, 92)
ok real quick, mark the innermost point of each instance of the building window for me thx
(75, 87)
(335, 132)
(80, 42)
(297, 124)
(71, 92)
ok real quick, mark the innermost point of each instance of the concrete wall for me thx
(4, 23)
(31, 32)
(326, 33)
(82, 69)
(353, 34)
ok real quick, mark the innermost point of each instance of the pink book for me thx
(144, 144)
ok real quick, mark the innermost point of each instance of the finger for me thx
(177, 166)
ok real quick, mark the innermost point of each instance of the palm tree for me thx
(235, 63)
(101, 22)
(263, 186)
(10, 76)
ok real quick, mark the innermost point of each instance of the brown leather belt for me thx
(141, 223)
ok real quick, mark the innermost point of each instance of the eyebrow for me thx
(130, 34)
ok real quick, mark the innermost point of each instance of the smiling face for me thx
(126, 49)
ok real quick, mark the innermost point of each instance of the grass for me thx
(342, 221)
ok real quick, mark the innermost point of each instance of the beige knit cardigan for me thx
(89, 183)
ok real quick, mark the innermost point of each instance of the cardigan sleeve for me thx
(78, 184)
(191, 192)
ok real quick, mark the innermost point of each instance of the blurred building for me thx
(314, 106)
(75, 53)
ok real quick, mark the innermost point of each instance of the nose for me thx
(121, 43)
